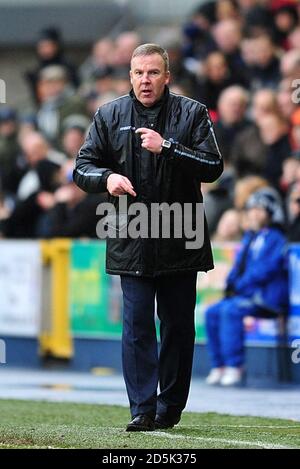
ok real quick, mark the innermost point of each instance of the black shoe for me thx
(161, 422)
(141, 423)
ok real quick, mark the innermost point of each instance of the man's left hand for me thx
(151, 140)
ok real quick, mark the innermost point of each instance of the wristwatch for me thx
(166, 145)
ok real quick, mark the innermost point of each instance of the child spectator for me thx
(257, 280)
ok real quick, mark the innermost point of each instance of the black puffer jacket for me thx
(172, 176)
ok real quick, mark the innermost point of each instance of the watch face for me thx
(166, 144)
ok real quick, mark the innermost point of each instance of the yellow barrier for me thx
(55, 338)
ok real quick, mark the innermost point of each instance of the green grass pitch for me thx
(29, 424)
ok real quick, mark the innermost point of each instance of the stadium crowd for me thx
(239, 57)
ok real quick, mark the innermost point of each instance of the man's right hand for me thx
(119, 185)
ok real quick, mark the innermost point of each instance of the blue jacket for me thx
(260, 271)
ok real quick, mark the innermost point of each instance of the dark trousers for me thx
(143, 367)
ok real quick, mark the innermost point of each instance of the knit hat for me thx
(268, 199)
(50, 34)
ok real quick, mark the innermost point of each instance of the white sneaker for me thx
(231, 376)
(214, 376)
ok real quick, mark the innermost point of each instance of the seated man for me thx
(257, 281)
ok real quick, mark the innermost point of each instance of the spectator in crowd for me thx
(100, 58)
(285, 20)
(73, 136)
(96, 101)
(57, 101)
(290, 63)
(265, 68)
(10, 171)
(216, 76)
(264, 102)
(257, 282)
(204, 15)
(227, 9)
(295, 130)
(294, 38)
(287, 105)
(228, 35)
(257, 18)
(69, 211)
(248, 154)
(294, 213)
(4, 213)
(27, 124)
(42, 175)
(229, 227)
(290, 173)
(180, 75)
(232, 108)
(228, 194)
(121, 83)
(103, 80)
(246, 186)
(35, 149)
(49, 50)
(124, 46)
(197, 38)
(274, 132)
(217, 198)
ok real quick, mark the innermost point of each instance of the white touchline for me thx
(257, 427)
(177, 436)
(11, 445)
(220, 440)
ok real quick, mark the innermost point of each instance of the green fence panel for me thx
(96, 298)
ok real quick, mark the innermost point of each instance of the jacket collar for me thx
(156, 106)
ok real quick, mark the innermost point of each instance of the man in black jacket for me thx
(154, 147)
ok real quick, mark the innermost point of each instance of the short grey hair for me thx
(149, 49)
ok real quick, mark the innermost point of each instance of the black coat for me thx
(173, 176)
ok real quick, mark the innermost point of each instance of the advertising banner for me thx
(20, 280)
(96, 298)
(294, 271)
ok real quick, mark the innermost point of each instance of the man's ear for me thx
(130, 74)
(168, 76)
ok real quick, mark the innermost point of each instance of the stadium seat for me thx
(282, 349)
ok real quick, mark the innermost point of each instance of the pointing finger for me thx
(127, 182)
(128, 188)
(142, 130)
(130, 191)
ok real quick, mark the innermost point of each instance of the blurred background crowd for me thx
(239, 57)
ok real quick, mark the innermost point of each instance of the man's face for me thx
(148, 77)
